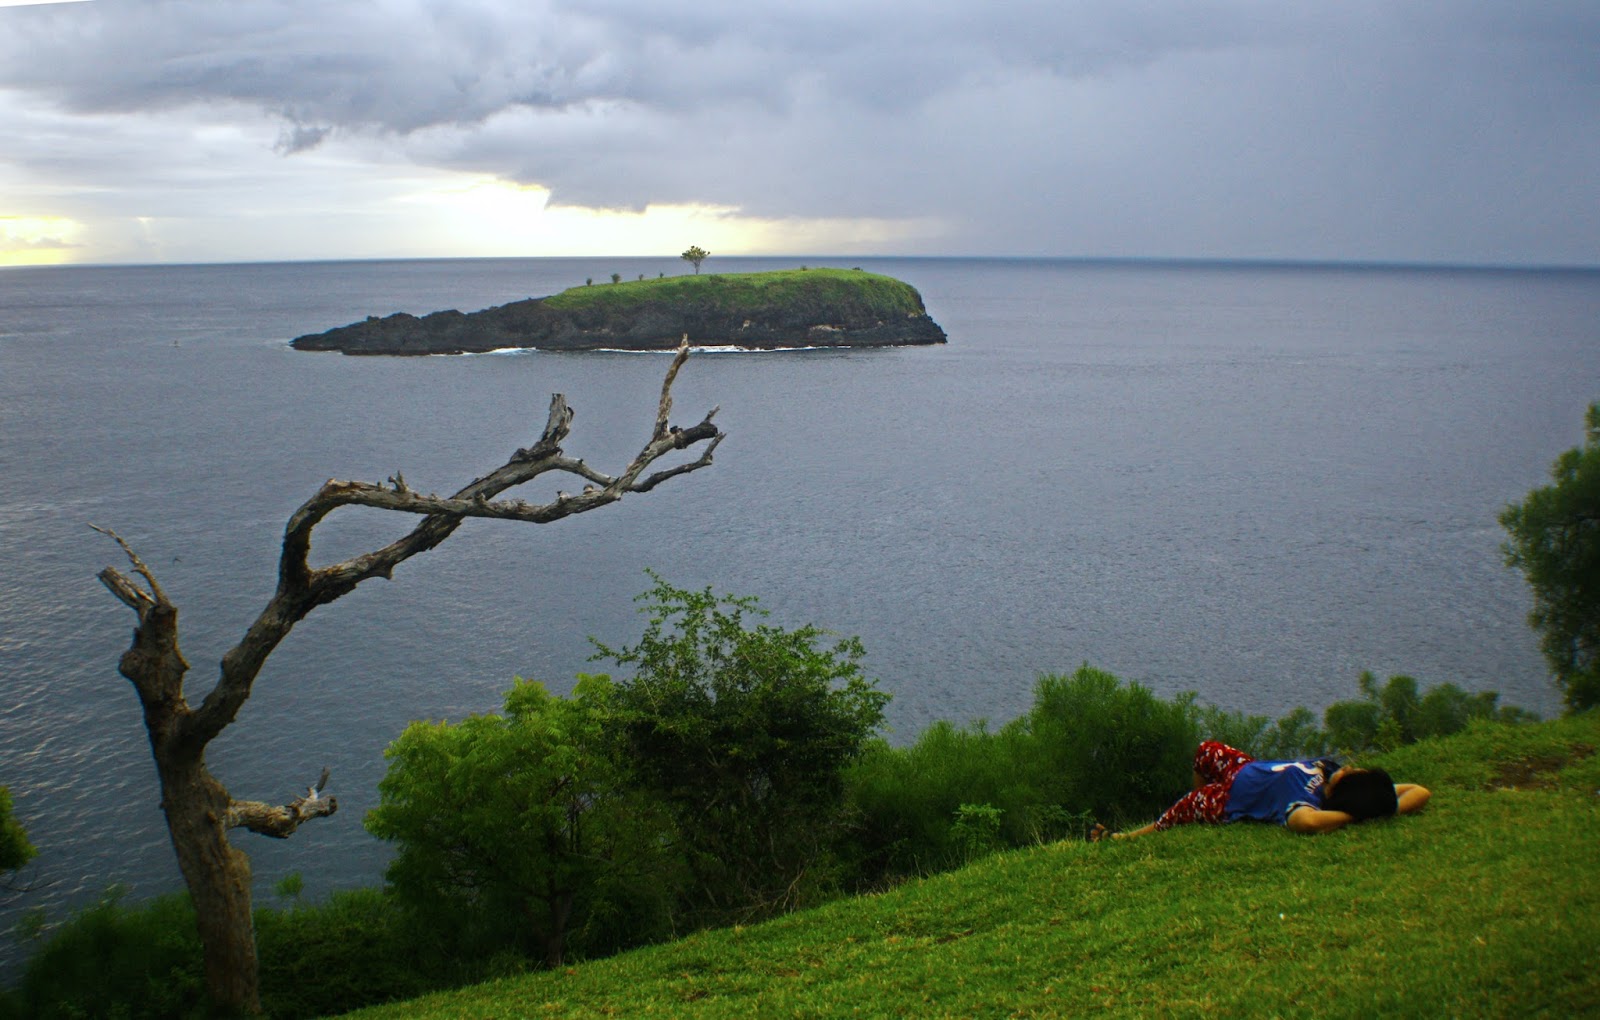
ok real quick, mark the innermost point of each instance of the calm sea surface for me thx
(1251, 482)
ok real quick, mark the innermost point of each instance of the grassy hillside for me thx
(1486, 904)
(798, 289)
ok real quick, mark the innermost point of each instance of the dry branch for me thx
(198, 808)
(280, 822)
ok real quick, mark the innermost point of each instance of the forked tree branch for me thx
(153, 662)
(302, 587)
(198, 808)
(125, 590)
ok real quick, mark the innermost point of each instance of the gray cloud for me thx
(300, 137)
(1406, 129)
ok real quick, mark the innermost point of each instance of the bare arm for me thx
(1145, 831)
(1413, 798)
(1099, 832)
(1314, 820)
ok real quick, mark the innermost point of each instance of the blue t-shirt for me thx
(1270, 791)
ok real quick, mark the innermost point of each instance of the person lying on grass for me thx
(1305, 796)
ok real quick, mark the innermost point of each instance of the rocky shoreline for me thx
(637, 326)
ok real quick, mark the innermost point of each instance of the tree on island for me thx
(1555, 542)
(694, 256)
(198, 808)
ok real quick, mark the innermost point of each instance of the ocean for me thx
(1248, 481)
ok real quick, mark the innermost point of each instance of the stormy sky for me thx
(1401, 130)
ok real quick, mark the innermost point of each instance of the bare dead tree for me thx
(198, 808)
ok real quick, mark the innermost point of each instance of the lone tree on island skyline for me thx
(695, 255)
(198, 808)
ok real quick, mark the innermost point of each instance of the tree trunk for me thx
(199, 809)
(218, 877)
(559, 907)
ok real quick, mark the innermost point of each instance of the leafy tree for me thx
(694, 256)
(200, 811)
(512, 828)
(1555, 542)
(743, 734)
(15, 850)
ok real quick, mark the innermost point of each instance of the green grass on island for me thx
(1485, 904)
(800, 289)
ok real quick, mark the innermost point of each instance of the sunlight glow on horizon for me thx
(37, 240)
(491, 216)
(443, 216)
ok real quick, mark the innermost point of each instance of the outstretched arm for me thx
(1100, 832)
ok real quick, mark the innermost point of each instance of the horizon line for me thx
(1198, 261)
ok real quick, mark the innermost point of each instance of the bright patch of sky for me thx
(1391, 130)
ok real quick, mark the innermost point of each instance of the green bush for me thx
(905, 798)
(515, 831)
(1292, 737)
(1114, 750)
(133, 962)
(742, 733)
(1396, 715)
(114, 961)
(357, 949)
(1353, 725)
(976, 830)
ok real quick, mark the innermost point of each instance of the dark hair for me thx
(1364, 793)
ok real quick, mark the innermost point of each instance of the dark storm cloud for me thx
(1405, 129)
(402, 67)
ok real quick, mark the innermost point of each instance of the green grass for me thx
(1487, 904)
(883, 295)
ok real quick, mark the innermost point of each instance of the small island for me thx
(798, 308)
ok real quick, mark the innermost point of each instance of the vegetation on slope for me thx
(1486, 904)
(631, 843)
(798, 291)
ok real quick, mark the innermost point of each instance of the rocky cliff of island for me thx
(758, 311)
